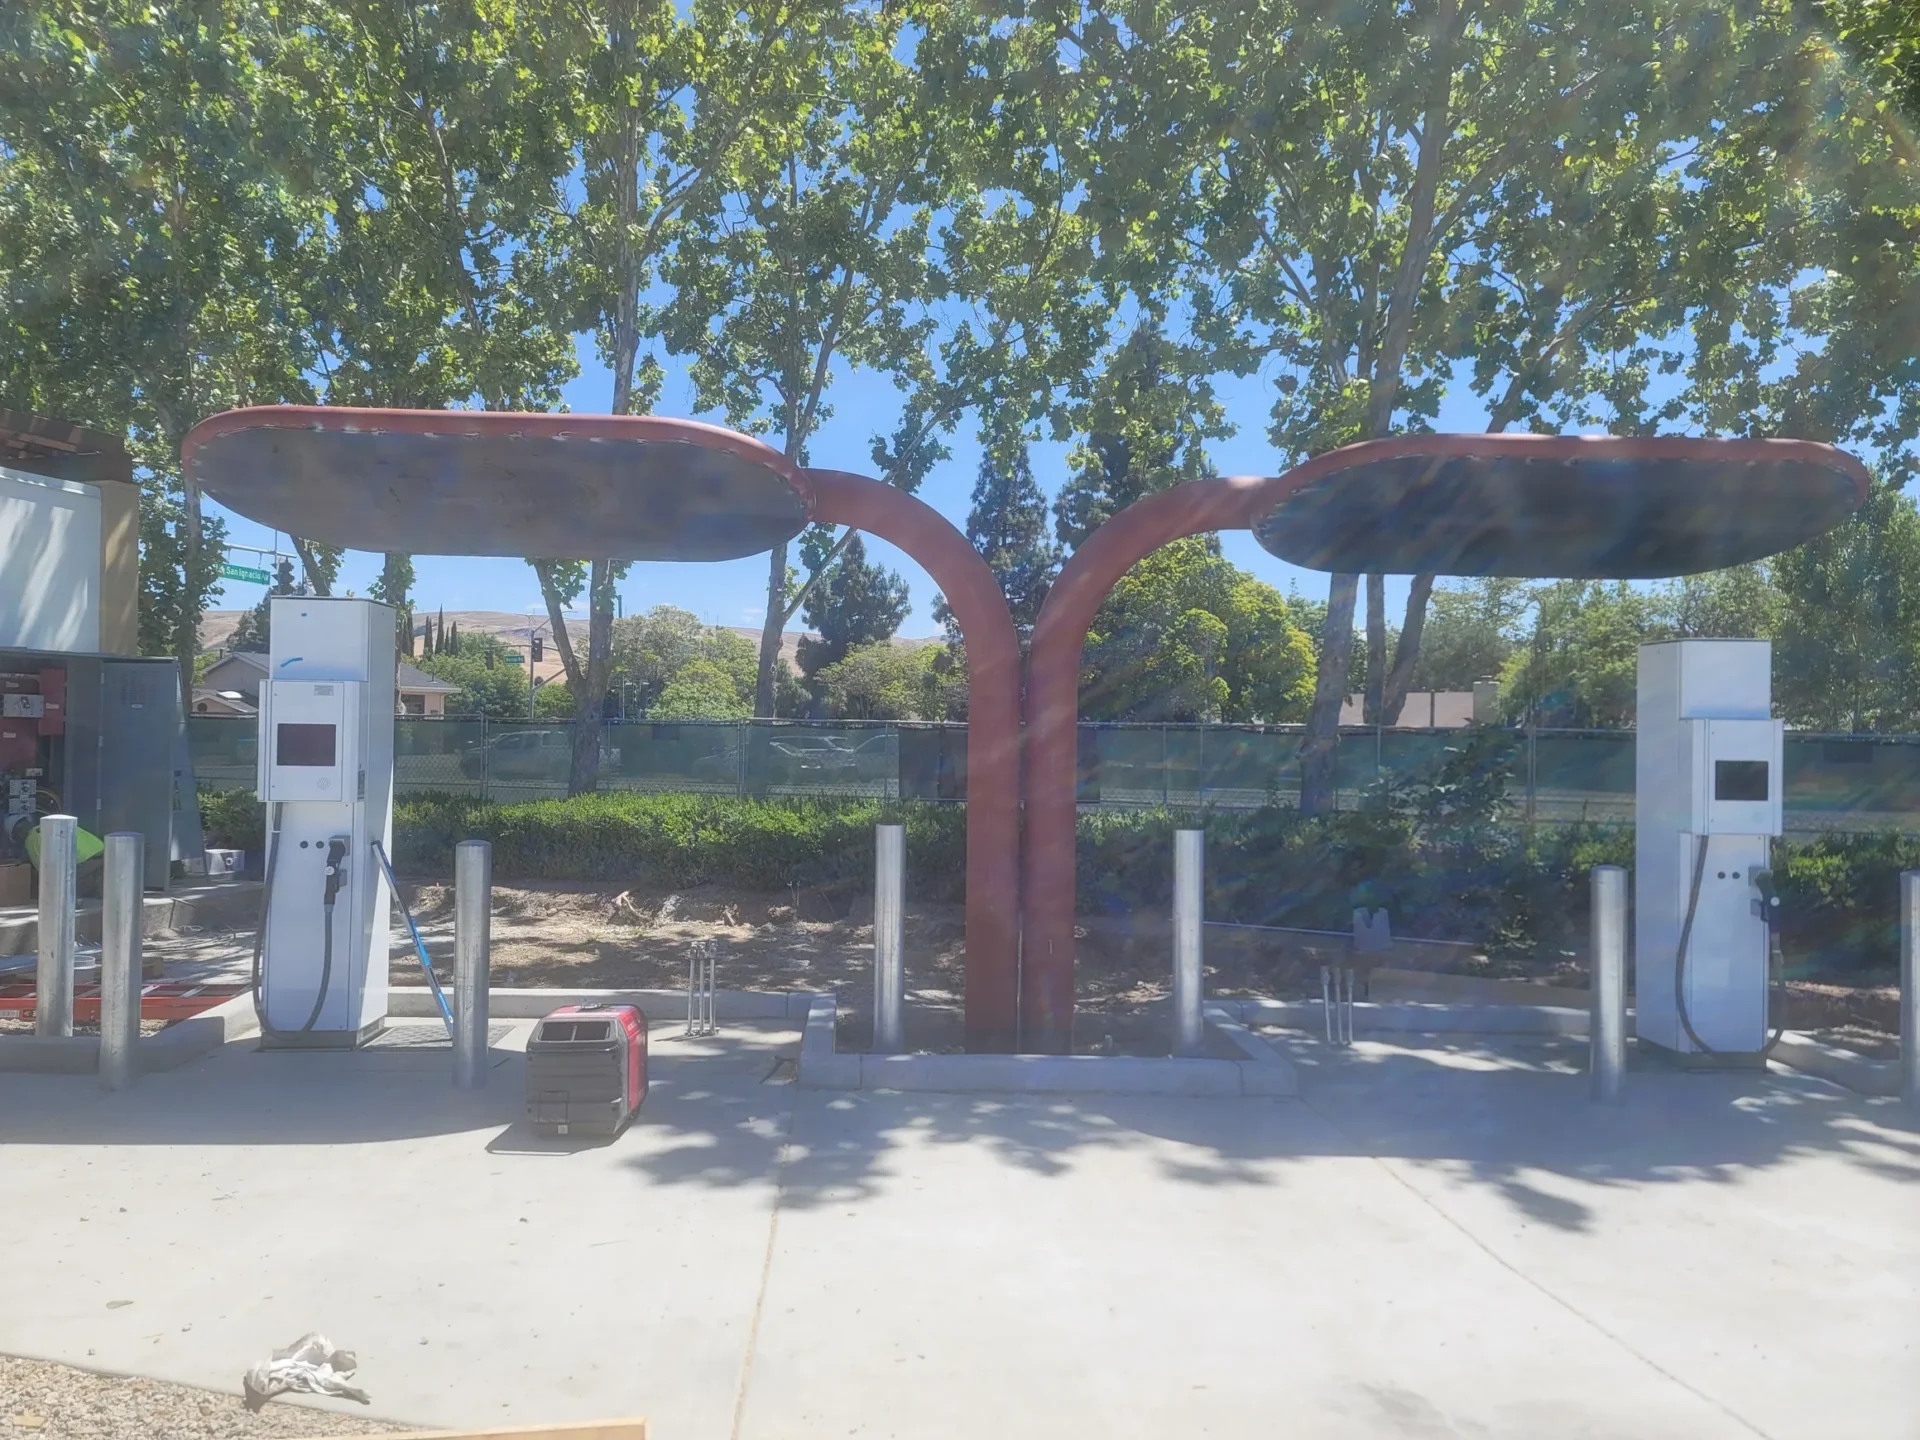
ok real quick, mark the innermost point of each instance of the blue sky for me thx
(864, 404)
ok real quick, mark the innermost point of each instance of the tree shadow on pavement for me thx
(1512, 1117)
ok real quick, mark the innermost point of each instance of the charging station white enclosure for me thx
(326, 773)
(1707, 762)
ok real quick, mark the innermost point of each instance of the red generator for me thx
(587, 1069)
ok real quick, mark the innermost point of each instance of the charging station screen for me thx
(307, 745)
(1740, 780)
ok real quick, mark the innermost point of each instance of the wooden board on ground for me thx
(577, 1430)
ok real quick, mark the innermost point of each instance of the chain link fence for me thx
(1833, 782)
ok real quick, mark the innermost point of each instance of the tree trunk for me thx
(1322, 741)
(583, 776)
(1370, 711)
(1393, 694)
(763, 687)
(310, 567)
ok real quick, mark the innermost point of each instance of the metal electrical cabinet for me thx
(139, 720)
(99, 744)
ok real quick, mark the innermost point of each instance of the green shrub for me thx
(232, 820)
(1450, 873)
(683, 840)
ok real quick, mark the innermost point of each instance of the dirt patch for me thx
(14, 1024)
(608, 937)
(599, 937)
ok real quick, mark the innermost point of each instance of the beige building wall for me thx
(42, 445)
(119, 567)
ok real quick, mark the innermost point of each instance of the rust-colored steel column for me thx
(1053, 716)
(993, 733)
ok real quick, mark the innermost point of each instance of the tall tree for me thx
(1579, 667)
(855, 603)
(665, 102)
(1471, 630)
(1007, 523)
(1187, 635)
(1333, 188)
(153, 242)
(1147, 424)
(817, 257)
(394, 586)
(1740, 603)
(1847, 651)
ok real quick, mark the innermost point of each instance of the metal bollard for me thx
(53, 978)
(472, 947)
(1189, 981)
(1607, 1025)
(889, 959)
(1910, 988)
(120, 959)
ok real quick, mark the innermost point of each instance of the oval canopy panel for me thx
(456, 482)
(1572, 507)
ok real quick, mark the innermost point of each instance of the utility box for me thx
(587, 1069)
(1708, 781)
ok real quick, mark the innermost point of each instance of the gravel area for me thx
(43, 1401)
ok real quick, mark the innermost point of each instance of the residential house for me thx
(234, 681)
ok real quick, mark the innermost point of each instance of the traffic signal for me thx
(539, 649)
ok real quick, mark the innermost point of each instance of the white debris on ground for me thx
(40, 1400)
(311, 1365)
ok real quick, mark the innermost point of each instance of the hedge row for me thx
(660, 839)
(1466, 879)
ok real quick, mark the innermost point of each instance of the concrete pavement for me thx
(1443, 1238)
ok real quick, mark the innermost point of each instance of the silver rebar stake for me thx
(120, 959)
(472, 952)
(889, 950)
(1607, 1026)
(1189, 978)
(53, 977)
(701, 1015)
(1910, 988)
(1336, 1000)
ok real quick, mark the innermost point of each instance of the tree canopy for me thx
(1187, 635)
(1057, 222)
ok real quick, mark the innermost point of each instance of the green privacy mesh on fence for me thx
(1857, 782)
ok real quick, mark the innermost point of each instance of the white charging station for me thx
(1708, 781)
(326, 773)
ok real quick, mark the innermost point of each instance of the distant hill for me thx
(512, 629)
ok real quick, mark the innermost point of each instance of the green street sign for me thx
(245, 572)
(514, 657)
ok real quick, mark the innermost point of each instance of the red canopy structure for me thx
(636, 487)
(648, 488)
(1549, 506)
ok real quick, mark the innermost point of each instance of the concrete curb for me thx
(163, 1050)
(1843, 1067)
(415, 1002)
(1265, 1070)
(223, 901)
(1410, 1017)
(1263, 1073)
